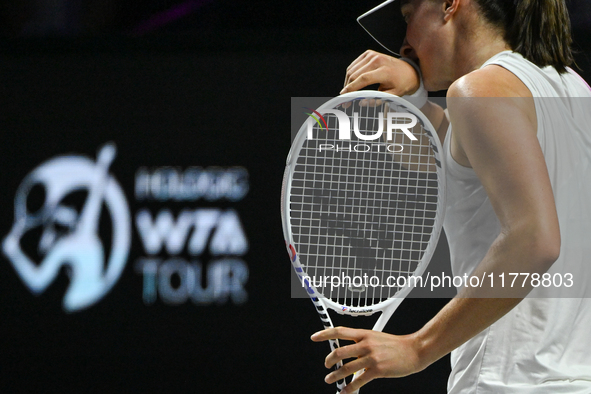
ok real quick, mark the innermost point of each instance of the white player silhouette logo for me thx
(79, 247)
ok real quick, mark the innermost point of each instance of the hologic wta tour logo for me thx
(71, 213)
(70, 236)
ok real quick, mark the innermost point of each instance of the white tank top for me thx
(543, 345)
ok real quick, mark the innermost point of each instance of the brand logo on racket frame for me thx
(358, 311)
(392, 121)
(292, 253)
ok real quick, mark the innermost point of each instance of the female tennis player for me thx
(517, 144)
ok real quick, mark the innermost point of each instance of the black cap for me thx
(386, 25)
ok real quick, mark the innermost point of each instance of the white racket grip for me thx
(355, 376)
(379, 326)
(334, 343)
(418, 98)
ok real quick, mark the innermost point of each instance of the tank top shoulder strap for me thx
(542, 82)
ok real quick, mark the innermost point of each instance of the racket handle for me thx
(354, 392)
(327, 323)
(334, 343)
(355, 376)
(358, 373)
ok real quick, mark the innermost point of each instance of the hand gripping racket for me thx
(362, 204)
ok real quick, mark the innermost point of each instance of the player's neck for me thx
(472, 53)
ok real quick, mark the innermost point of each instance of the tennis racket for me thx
(362, 200)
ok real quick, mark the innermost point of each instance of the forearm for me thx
(476, 308)
(460, 320)
(385, 355)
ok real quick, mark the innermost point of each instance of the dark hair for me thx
(537, 29)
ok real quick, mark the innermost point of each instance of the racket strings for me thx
(361, 213)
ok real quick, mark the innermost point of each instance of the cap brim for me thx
(386, 25)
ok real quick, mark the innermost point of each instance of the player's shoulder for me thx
(489, 81)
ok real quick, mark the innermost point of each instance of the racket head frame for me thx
(287, 185)
(388, 305)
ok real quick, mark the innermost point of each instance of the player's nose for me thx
(407, 51)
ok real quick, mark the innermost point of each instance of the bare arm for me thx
(497, 137)
(499, 142)
(394, 76)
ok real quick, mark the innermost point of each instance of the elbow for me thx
(549, 253)
(537, 245)
(544, 247)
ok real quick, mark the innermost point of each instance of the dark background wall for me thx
(204, 85)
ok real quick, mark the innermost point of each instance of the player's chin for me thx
(433, 84)
(429, 86)
(432, 78)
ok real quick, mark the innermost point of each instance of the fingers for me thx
(346, 333)
(370, 102)
(368, 61)
(351, 368)
(360, 61)
(347, 369)
(359, 72)
(359, 382)
(362, 80)
(354, 65)
(375, 353)
(393, 75)
(343, 353)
